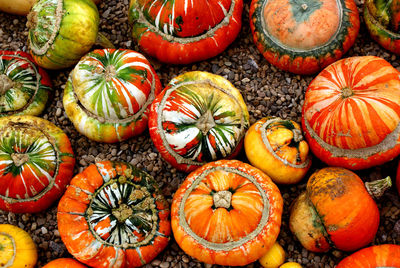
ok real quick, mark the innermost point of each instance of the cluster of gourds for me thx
(225, 212)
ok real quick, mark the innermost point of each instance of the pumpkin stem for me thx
(377, 188)
(5, 84)
(304, 6)
(19, 159)
(102, 40)
(206, 122)
(122, 213)
(297, 136)
(110, 72)
(347, 92)
(222, 199)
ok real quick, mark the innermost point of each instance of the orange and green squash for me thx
(17, 249)
(351, 113)
(181, 31)
(24, 87)
(276, 146)
(64, 263)
(199, 117)
(36, 163)
(303, 36)
(386, 255)
(113, 215)
(108, 94)
(226, 212)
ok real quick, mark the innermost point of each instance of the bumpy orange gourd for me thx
(64, 263)
(337, 210)
(387, 255)
(276, 146)
(226, 212)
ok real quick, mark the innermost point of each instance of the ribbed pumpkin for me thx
(336, 210)
(61, 31)
(387, 255)
(108, 93)
(36, 163)
(226, 212)
(181, 31)
(17, 248)
(382, 18)
(351, 113)
(64, 263)
(199, 117)
(276, 146)
(24, 87)
(113, 215)
(303, 36)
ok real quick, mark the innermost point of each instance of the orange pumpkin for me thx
(226, 212)
(64, 263)
(337, 210)
(276, 146)
(387, 255)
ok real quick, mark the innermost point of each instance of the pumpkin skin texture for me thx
(199, 117)
(351, 113)
(336, 210)
(386, 255)
(61, 31)
(36, 163)
(17, 248)
(180, 32)
(64, 263)
(304, 36)
(226, 212)
(382, 21)
(113, 215)
(276, 146)
(108, 94)
(24, 87)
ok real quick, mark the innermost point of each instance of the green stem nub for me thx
(103, 41)
(377, 188)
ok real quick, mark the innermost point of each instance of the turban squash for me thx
(386, 255)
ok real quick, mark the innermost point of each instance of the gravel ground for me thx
(266, 90)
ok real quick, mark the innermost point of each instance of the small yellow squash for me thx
(274, 257)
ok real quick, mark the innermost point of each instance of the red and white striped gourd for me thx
(351, 113)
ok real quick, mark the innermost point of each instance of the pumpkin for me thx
(386, 255)
(351, 113)
(17, 7)
(274, 257)
(62, 31)
(182, 32)
(199, 117)
(335, 210)
(382, 21)
(17, 248)
(226, 212)
(108, 93)
(24, 87)
(303, 36)
(36, 163)
(64, 263)
(113, 215)
(276, 146)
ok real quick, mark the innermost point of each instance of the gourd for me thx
(36, 163)
(17, 7)
(108, 94)
(182, 32)
(24, 87)
(199, 117)
(113, 215)
(64, 263)
(303, 36)
(382, 21)
(62, 31)
(336, 210)
(386, 255)
(276, 146)
(226, 212)
(274, 257)
(351, 113)
(17, 248)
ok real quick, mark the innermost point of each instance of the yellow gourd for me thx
(274, 257)
(17, 248)
(290, 265)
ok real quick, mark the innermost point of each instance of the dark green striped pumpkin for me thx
(61, 31)
(303, 36)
